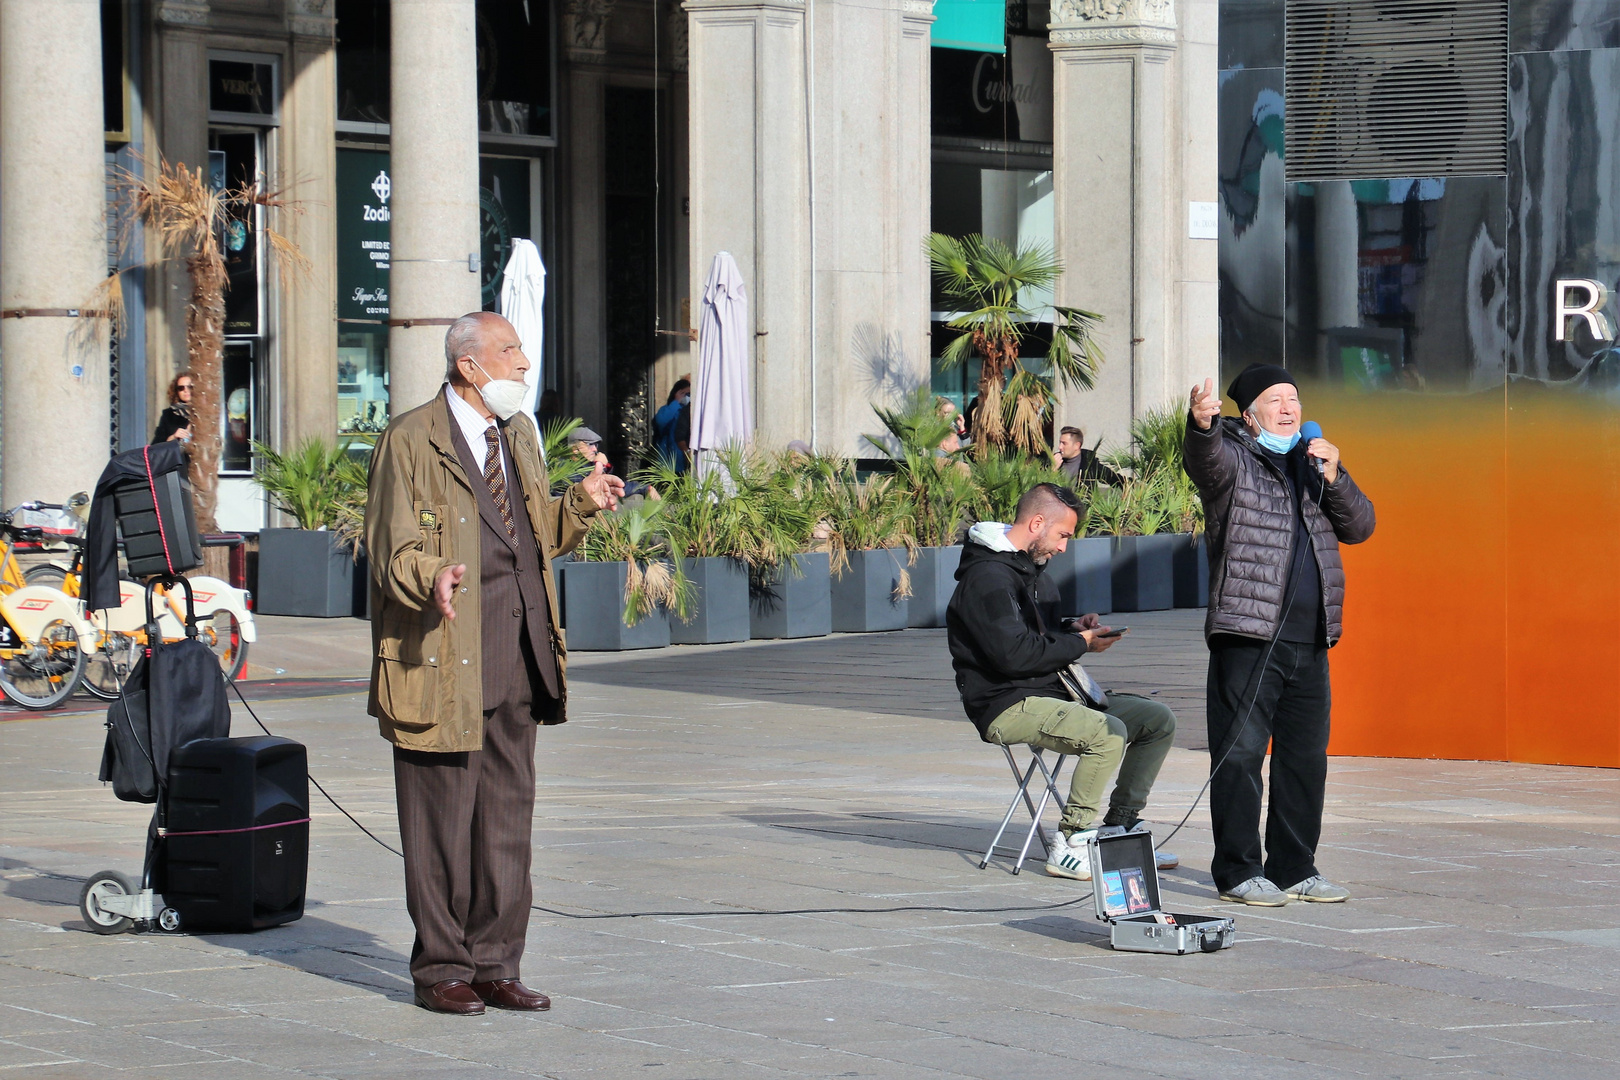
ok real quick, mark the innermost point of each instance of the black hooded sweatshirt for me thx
(1005, 646)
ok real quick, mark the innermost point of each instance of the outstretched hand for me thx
(605, 488)
(1205, 405)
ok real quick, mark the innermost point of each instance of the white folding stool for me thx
(1036, 762)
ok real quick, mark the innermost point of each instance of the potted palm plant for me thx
(996, 293)
(728, 532)
(624, 581)
(1156, 519)
(310, 570)
(942, 493)
(791, 597)
(870, 547)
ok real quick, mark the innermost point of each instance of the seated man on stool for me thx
(1008, 657)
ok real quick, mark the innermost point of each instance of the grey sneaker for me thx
(1318, 890)
(1162, 859)
(1256, 892)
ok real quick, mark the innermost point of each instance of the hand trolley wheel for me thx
(108, 883)
(169, 919)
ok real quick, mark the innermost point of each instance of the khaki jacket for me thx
(421, 517)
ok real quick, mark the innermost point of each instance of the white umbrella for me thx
(523, 296)
(722, 413)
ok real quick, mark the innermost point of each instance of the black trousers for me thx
(1292, 701)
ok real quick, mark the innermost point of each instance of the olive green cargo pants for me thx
(1136, 729)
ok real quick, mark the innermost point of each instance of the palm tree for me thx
(989, 285)
(187, 217)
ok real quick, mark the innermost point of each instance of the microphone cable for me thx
(902, 908)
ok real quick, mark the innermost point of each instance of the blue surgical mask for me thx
(1277, 444)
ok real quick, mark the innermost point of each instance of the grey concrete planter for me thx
(1192, 571)
(306, 573)
(933, 580)
(863, 596)
(720, 608)
(794, 605)
(1144, 572)
(593, 612)
(1083, 576)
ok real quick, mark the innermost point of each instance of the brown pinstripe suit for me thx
(466, 818)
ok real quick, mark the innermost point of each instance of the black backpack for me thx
(175, 694)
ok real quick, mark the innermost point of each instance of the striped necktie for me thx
(496, 478)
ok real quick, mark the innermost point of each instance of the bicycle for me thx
(45, 641)
(224, 617)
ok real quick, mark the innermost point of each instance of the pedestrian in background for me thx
(672, 426)
(462, 530)
(1080, 464)
(175, 420)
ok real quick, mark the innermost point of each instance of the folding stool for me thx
(1023, 778)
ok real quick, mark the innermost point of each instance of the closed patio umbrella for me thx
(523, 297)
(722, 408)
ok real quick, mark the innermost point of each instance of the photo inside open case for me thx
(1126, 893)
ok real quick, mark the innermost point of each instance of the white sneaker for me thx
(1070, 857)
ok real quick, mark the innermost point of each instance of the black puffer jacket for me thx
(1001, 646)
(1249, 515)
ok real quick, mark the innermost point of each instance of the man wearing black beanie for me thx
(1275, 511)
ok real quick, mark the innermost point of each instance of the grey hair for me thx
(464, 336)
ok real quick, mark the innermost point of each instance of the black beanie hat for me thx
(1252, 380)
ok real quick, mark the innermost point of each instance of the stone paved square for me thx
(761, 860)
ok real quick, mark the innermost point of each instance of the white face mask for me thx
(503, 397)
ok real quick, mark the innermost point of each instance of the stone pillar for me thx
(53, 249)
(871, 112)
(750, 186)
(582, 374)
(1197, 67)
(1338, 263)
(1120, 214)
(434, 169)
(309, 172)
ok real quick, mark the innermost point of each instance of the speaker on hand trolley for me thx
(159, 524)
(236, 852)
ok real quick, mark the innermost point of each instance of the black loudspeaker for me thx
(236, 856)
(160, 536)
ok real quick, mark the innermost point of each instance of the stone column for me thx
(749, 189)
(1119, 211)
(1338, 265)
(582, 374)
(309, 172)
(871, 212)
(53, 249)
(433, 150)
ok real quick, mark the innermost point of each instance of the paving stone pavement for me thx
(796, 828)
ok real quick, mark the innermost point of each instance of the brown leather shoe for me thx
(450, 996)
(511, 994)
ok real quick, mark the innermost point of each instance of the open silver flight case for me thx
(1125, 888)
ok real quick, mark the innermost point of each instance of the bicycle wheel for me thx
(108, 667)
(44, 674)
(52, 574)
(223, 634)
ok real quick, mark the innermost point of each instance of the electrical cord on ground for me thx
(943, 909)
(312, 780)
(1256, 677)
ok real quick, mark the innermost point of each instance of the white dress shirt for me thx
(473, 427)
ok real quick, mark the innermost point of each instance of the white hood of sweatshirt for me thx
(991, 534)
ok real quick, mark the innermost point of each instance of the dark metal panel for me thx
(1557, 25)
(1251, 34)
(1563, 199)
(1252, 264)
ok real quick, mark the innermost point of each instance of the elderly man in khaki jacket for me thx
(461, 528)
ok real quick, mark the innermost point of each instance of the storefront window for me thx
(240, 394)
(362, 383)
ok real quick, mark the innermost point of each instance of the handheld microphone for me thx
(1309, 430)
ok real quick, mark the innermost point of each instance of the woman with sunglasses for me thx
(175, 423)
